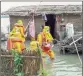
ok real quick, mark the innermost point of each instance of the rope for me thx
(77, 51)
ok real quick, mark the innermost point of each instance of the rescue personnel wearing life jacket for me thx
(45, 41)
(16, 37)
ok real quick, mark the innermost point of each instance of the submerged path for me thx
(64, 65)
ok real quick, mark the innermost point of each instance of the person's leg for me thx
(22, 46)
(18, 47)
(43, 59)
(9, 44)
(51, 54)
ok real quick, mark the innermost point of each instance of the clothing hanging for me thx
(32, 28)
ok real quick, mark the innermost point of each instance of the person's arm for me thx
(12, 32)
(49, 37)
(22, 31)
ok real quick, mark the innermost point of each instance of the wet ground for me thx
(63, 65)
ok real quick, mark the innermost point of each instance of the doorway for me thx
(51, 22)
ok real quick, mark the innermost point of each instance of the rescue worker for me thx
(33, 45)
(45, 41)
(16, 37)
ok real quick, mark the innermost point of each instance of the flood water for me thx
(63, 65)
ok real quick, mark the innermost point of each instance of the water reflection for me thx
(64, 65)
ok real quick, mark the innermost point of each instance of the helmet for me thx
(19, 22)
(46, 29)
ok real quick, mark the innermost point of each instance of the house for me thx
(57, 15)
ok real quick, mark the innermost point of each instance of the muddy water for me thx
(63, 65)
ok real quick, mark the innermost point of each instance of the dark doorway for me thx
(51, 22)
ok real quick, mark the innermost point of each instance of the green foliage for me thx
(39, 51)
(14, 52)
(42, 72)
(18, 63)
(20, 74)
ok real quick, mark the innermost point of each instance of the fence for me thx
(31, 63)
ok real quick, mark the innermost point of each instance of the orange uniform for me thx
(16, 38)
(45, 39)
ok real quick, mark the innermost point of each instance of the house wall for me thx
(38, 22)
(75, 19)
